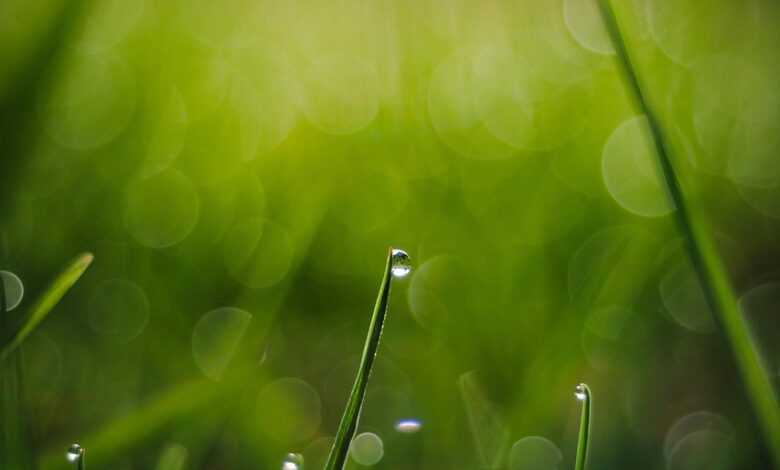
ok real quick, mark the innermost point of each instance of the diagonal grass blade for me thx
(397, 265)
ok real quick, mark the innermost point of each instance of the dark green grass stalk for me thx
(349, 420)
(582, 392)
(13, 452)
(12, 443)
(709, 267)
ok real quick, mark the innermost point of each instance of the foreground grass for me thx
(582, 392)
(395, 266)
(13, 452)
(707, 262)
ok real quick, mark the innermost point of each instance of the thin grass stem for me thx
(582, 393)
(704, 256)
(396, 266)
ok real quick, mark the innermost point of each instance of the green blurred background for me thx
(239, 169)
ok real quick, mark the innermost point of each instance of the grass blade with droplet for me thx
(582, 392)
(709, 267)
(349, 420)
(50, 297)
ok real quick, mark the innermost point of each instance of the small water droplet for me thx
(75, 453)
(581, 392)
(400, 264)
(293, 462)
(408, 426)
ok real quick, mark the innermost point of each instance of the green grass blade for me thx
(50, 297)
(582, 392)
(12, 442)
(709, 267)
(349, 420)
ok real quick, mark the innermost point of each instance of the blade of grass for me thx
(50, 297)
(351, 416)
(12, 450)
(709, 266)
(582, 392)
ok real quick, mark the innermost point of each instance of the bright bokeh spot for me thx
(534, 453)
(526, 106)
(118, 310)
(13, 289)
(684, 298)
(367, 449)
(584, 21)
(452, 104)
(632, 171)
(160, 211)
(341, 94)
(216, 337)
(257, 252)
(85, 117)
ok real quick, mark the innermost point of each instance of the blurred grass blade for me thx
(709, 267)
(486, 422)
(349, 420)
(173, 457)
(50, 297)
(12, 442)
(582, 392)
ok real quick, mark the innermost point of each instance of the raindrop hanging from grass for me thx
(397, 265)
(292, 462)
(75, 455)
(582, 393)
(401, 266)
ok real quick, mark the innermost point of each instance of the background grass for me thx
(261, 156)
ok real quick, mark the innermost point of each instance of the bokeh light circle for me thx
(118, 310)
(632, 171)
(13, 288)
(534, 453)
(288, 411)
(216, 337)
(257, 252)
(367, 449)
(80, 116)
(160, 211)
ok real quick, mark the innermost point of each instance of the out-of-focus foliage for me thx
(239, 169)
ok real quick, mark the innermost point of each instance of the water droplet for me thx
(401, 266)
(75, 453)
(367, 449)
(581, 392)
(408, 426)
(14, 289)
(293, 462)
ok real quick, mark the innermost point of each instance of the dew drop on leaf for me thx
(401, 266)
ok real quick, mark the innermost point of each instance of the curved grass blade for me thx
(582, 392)
(50, 297)
(349, 420)
(709, 267)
